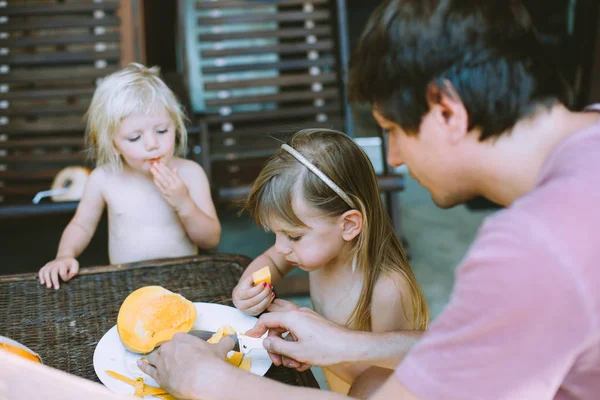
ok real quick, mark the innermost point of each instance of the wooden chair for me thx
(52, 54)
(259, 70)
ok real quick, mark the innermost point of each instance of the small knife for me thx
(243, 343)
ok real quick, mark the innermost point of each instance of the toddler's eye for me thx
(294, 238)
(162, 131)
(134, 139)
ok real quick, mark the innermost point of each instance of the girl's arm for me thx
(77, 234)
(198, 213)
(80, 230)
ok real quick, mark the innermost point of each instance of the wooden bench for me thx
(257, 71)
(52, 55)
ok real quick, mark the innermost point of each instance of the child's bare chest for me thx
(138, 203)
(142, 225)
(334, 299)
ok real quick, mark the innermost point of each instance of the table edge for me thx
(241, 260)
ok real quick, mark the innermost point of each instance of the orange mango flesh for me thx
(262, 275)
(222, 331)
(141, 389)
(234, 358)
(20, 352)
(151, 316)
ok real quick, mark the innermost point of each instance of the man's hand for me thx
(280, 305)
(316, 341)
(188, 367)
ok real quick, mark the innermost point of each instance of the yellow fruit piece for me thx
(151, 315)
(138, 384)
(20, 352)
(246, 363)
(262, 275)
(147, 390)
(228, 330)
(216, 338)
(234, 358)
(225, 330)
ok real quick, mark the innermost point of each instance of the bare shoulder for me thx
(103, 177)
(390, 289)
(188, 168)
(391, 304)
(99, 177)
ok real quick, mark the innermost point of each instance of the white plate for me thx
(110, 354)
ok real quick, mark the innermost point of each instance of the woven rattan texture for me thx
(64, 326)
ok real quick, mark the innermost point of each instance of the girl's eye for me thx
(294, 238)
(134, 139)
(162, 131)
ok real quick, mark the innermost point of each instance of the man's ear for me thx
(352, 223)
(448, 110)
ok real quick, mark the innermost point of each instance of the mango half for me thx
(152, 315)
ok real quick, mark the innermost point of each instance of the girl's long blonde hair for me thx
(377, 248)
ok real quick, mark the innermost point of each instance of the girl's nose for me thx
(150, 142)
(282, 246)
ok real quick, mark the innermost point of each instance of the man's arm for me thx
(385, 350)
(251, 387)
(259, 388)
(322, 342)
(190, 368)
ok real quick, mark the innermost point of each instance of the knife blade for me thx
(243, 343)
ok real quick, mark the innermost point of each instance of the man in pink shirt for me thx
(473, 107)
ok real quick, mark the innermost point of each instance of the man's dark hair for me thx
(487, 50)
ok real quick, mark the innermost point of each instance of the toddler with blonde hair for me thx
(159, 204)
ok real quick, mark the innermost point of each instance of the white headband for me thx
(320, 174)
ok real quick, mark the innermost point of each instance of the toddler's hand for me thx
(65, 267)
(252, 299)
(171, 186)
(280, 305)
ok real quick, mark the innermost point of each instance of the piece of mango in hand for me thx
(262, 275)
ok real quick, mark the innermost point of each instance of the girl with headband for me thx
(319, 196)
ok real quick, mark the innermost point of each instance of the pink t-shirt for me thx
(523, 320)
